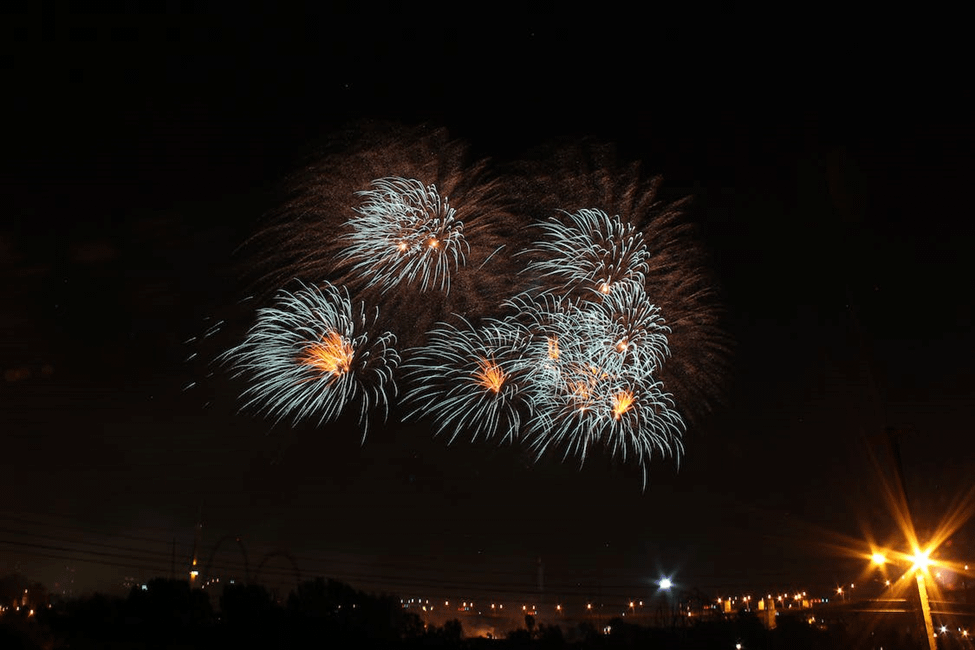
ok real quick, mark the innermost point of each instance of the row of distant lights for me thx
(468, 605)
(782, 598)
(425, 605)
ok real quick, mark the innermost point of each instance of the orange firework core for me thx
(553, 348)
(580, 390)
(622, 402)
(604, 287)
(489, 375)
(332, 355)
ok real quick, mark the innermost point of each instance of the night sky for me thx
(830, 184)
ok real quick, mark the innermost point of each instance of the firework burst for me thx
(404, 232)
(607, 334)
(588, 250)
(404, 218)
(311, 355)
(581, 407)
(590, 379)
(626, 319)
(659, 251)
(469, 380)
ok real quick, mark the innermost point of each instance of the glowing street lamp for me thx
(920, 562)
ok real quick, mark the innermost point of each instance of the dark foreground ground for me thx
(326, 613)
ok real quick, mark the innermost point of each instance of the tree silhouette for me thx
(167, 609)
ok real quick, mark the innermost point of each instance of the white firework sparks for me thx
(591, 378)
(625, 319)
(468, 380)
(311, 355)
(580, 358)
(404, 232)
(589, 249)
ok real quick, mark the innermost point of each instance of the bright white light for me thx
(921, 559)
(665, 583)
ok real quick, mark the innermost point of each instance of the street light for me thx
(920, 561)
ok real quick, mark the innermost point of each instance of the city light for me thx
(921, 560)
(665, 583)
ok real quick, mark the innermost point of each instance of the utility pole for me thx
(194, 565)
(922, 591)
(898, 489)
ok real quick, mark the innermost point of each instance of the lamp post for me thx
(921, 562)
